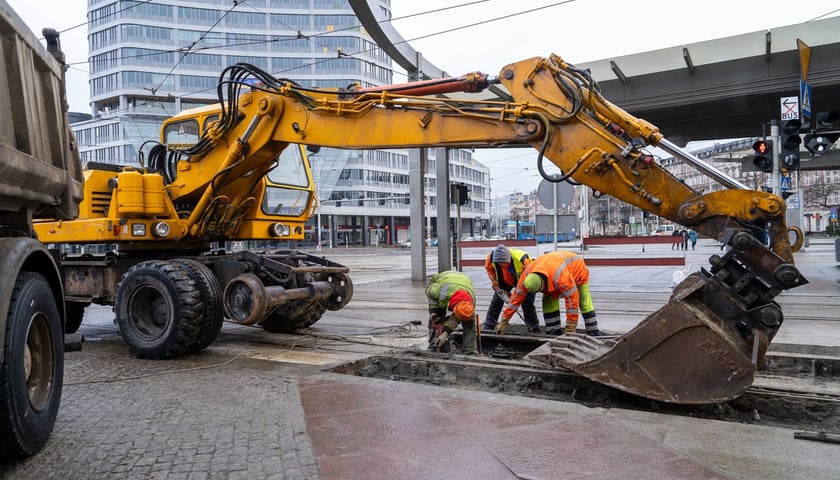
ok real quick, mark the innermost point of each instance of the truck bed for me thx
(39, 172)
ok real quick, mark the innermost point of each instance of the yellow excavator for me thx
(206, 182)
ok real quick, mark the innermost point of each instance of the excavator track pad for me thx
(703, 346)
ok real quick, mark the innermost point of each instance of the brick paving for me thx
(198, 417)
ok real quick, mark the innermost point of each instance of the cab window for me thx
(283, 192)
(291, 168)
(181, 133)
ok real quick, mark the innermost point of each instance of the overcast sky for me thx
(578, 30)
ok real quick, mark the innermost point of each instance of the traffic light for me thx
(465, 194)
(459, 193)
(818, 142)
(790, 142)
(826, 120)
(763, 160)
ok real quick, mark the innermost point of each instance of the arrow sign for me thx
(790, 108)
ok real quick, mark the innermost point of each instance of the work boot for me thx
(469, 346)
(554, 327)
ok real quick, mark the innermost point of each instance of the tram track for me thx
(786, 397)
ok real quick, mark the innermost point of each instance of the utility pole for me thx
(776, 177)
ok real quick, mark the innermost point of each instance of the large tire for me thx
(74, 313)
(211, 297)
(32, 372)
(158, 309)
(290, 317)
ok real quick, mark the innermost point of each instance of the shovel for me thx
(703, 346)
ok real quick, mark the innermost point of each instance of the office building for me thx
(150, 60)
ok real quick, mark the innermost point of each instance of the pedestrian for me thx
(685, 236)
(556, 274)
(451, 291)
(677, 236)
(504, 267)
(692, 237)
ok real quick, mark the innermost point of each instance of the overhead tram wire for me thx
(71, 64)
(193, 49)
(187, 50)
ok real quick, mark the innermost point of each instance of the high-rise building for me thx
(150, 60)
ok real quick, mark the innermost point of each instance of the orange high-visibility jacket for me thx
(507, 278)
(564, 271)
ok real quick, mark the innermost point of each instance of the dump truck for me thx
(40, 177)
(237, 170)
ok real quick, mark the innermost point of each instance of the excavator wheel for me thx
(211, 296)
(158, 309)
(343, 287)
(290, 317)
(75, 312)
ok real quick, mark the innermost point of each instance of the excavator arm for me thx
(556, 109)
(718, 323)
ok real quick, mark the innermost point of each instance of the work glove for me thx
(504, 296)
(434, 319)
(441, 340)
(501, 328)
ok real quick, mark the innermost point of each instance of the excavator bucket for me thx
(703, 346)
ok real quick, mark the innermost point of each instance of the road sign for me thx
(785, 183)
(790, 108)
(546, 190)
(805, 98)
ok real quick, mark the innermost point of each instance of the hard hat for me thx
(464, 310)
(533, 283)
(501, 254)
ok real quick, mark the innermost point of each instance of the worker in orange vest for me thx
(556, 274)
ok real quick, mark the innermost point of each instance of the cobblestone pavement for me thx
(198, 417)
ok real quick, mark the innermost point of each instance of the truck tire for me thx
(74, 312)
(290, 317)
(32, 372)
(158, 309)
(211, 297)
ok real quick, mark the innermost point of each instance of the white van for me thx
(664, 231)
